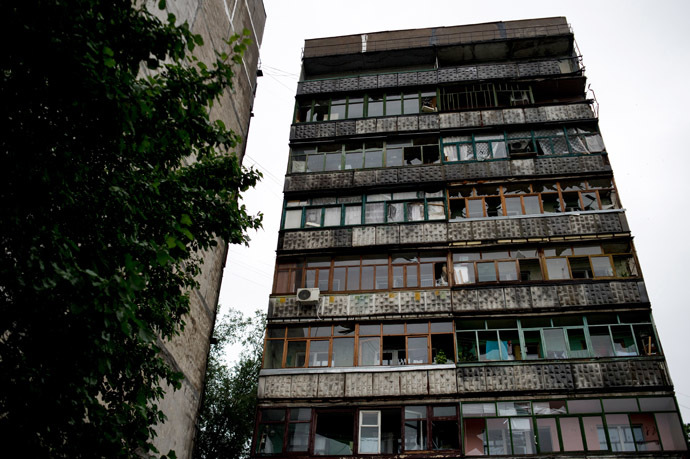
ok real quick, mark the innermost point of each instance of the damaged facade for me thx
(455, 273)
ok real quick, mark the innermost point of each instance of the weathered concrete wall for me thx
(474, 380)
(216, 21)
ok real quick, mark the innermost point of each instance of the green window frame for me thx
(379, 208)
(502, 145)
(562, 337)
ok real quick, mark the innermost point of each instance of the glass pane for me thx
(331, 216)
(353, 215)
(509, 342)
(531, 205)
(670, 432)
(415, 211)
(486, 272)
(297, 332)
(415, 435)
(572, 436)
(323, 279)
(293, 219)
(601, 341)
(552, 407)
(523, 436)
(381, 277)
(436, 211)
(367, 278)
(355, 108)
(393, 329)
(644, 432)
(370, 329)
(353, 160)
(353, 278)
(444, 411)
(475, 208)
(374, 212)
(315, 163)
(426, 275)
(620, 432)
(375, 106)
(474, 440)
(623, 342)
(584, 406)
(298, 436)
(296, 354)
(373, 158)
(594, 433)
(513, 206)
(334, 434)
(557, 268)
(299, 163)
(394, 156)
(396, 212)
(393, 104)
(339, 279)
(478, 409)
(602, 266)
(488, 345)
(318, 353)
(320, 331)
(657, 404)
(417, 327)
(514, 408)
(369, 351)
(619, 404)
(273, 356)
(418, 350)
(343, 352)
(463, 273)
(333, 162)
(270, 439)
(312, 218)
(411, 104)
(411, 276)
(554, 339)
(499, 436)
(507, 271)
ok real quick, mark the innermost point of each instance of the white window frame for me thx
(378, 427)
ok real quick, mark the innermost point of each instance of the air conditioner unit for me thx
(307, 296)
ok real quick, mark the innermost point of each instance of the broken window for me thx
(334, 433)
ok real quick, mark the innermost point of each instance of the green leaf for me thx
(186, 220)
(171, 241)
(109, 62)
(161, 4)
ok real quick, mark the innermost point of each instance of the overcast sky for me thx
(637, 61)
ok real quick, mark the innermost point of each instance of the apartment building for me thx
(455, 274)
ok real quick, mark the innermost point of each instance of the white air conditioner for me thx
(306, 296)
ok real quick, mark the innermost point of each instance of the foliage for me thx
(226, 420)
(440, 357)
(104, 216)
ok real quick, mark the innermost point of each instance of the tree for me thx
(226, 419)
(113, 183)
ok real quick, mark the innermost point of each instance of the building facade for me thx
(216, 21)
(455, 275)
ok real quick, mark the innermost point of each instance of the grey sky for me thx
(637, 61)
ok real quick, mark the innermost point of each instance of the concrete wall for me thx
(216, 21)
